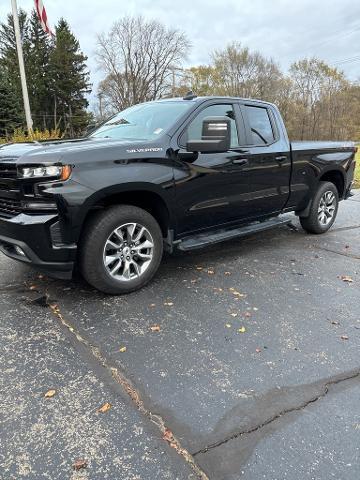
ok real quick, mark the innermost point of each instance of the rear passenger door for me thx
(269, 163)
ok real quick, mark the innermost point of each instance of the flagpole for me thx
(25, 93)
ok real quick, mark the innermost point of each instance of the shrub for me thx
(19, 135)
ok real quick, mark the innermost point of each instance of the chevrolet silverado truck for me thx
(173, 174)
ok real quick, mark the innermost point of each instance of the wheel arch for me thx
(336, 177)
(141, 195)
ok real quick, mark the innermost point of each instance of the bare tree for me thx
(246, 74)
(316, 93)
(138, 57)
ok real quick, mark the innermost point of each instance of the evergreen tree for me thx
(70, 81)
(8, 53)
(10, 107)
(38, 74)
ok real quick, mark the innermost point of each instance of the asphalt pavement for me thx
(240, 361)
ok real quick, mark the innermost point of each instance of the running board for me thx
(204, 239)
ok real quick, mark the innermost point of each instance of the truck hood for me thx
(63, 150)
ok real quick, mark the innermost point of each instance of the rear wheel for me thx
(323, 210)
(121, 249)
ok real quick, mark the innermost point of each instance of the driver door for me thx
(209, 186)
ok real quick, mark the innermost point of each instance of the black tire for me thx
(94, 238)
(312, 223)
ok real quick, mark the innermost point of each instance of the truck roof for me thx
(212, 97)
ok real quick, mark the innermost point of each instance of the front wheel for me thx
(121, 249)
(323, 210)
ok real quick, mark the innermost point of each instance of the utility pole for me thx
(173, 82)
(100, 96)
(19, 48)
(155, 81)
(173, 71)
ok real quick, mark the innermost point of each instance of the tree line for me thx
(143, 60)
(57, 77)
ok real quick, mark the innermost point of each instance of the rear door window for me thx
(261, 130)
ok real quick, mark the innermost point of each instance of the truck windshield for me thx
(146, 121)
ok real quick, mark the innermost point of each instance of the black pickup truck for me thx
(171, 174)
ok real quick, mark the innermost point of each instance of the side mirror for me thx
(215, 138)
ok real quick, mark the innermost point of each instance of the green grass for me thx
(357, 170)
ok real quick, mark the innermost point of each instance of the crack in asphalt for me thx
(167, 435)
(325, 389)
(344, 229)
(344, 254)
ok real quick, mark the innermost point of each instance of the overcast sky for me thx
(285, 30)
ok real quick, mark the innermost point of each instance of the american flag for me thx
(43, 17)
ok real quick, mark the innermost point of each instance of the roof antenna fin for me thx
(190, 96)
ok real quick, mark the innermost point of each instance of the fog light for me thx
(19, 251)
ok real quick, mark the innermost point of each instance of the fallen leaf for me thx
(79, 464)
(168, 304)
(242, 330)
(122, 349)
(238, 294)
(344, 337)
(50, 393)
(106, 407)
(155, 328)
(168, 435)
(55, 308)
(346, 278)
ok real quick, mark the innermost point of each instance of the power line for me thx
(336, 35)
(347, 60)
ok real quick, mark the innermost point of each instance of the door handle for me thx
(281, 158)
(240, 161)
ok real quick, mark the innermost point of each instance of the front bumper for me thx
(28, 238)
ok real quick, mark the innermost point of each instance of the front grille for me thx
(8, 171)
(9, 207)
(10, 204)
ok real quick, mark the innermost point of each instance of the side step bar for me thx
(209, 238)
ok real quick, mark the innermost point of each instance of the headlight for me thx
(53, 171)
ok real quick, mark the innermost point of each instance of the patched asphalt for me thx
(255, 368)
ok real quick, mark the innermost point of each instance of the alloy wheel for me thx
(327, 208)
(128, 252)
